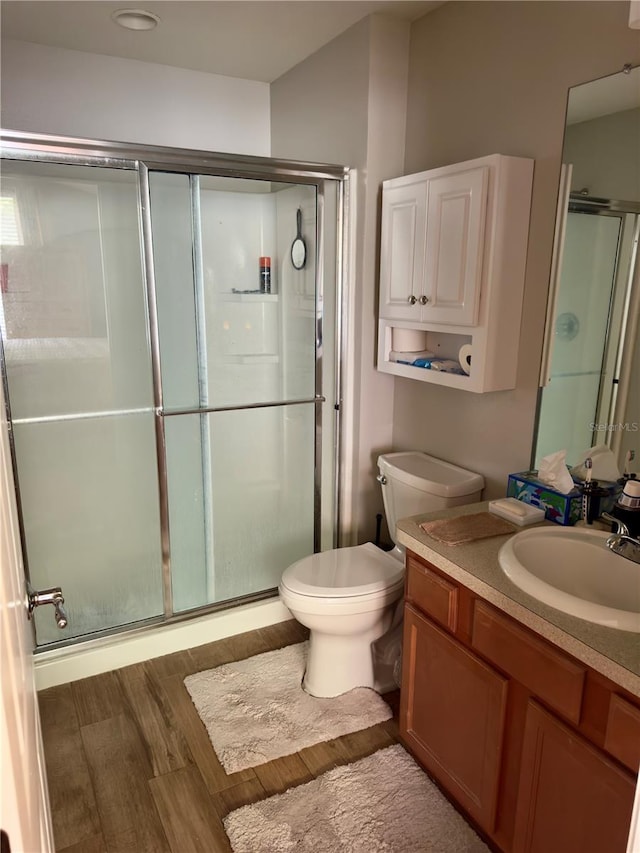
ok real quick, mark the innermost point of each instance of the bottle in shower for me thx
(265, 275)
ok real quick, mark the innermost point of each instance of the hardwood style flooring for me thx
(131, 768)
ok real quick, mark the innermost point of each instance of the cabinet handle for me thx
(424, 300)
(411, 299)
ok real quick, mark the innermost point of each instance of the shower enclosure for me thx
(591, 398)
(174, 423)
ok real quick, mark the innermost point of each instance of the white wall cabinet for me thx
(404, 212)
(433, 236)
(452, 263)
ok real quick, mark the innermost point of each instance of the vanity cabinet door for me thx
(571, 797)
(452, 716)
(402, 250)
(456, 212)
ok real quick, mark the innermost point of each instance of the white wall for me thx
(483, 78)
(71, 93)
(493, 77)
(604, 155)
(346, 104)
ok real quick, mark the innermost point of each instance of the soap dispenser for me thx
(627, 507)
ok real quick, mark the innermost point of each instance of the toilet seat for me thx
(361, 572)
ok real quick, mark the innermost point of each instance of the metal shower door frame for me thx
(145, 159)
(629, 215)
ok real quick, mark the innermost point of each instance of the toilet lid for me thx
(344, 572)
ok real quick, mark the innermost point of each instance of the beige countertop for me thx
(615, 654)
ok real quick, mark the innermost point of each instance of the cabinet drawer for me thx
(622, 738)
(554, 678)
(434, 595)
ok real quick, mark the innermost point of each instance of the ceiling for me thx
(253, 39)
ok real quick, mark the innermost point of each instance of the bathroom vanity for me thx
(528, 719)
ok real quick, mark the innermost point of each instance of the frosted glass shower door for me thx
(76, 351)
(582, 325)
(241, 371)
(261, 511)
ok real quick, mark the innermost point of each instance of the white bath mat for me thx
(382, 803)
(255, 710)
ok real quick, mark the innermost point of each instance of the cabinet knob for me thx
(411, 299)
(424, 299)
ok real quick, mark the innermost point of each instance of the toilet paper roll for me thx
(464, 357)
(408, 340)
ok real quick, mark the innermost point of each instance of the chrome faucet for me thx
(620, 542)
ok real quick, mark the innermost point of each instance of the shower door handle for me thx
(54, 596)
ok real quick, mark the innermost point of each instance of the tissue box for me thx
(563, 509)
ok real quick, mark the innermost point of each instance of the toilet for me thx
(350, 597)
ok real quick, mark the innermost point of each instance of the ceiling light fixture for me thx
(135, 19)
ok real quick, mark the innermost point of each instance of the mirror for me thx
(299, 247)
(591, 367)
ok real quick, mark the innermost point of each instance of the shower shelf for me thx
(248, 297)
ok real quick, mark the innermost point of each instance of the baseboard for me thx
(60, 666)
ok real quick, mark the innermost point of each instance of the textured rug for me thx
(382, 803)
(255, 710)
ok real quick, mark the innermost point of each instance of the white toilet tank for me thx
(414, 483)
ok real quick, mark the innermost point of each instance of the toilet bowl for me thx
(346, 597)
(350, 597)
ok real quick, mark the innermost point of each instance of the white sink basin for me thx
(573, 570)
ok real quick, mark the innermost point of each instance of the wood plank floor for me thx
(131, 768)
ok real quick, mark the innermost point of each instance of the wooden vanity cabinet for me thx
(571, 797)
(539, 751)
(450, 690)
